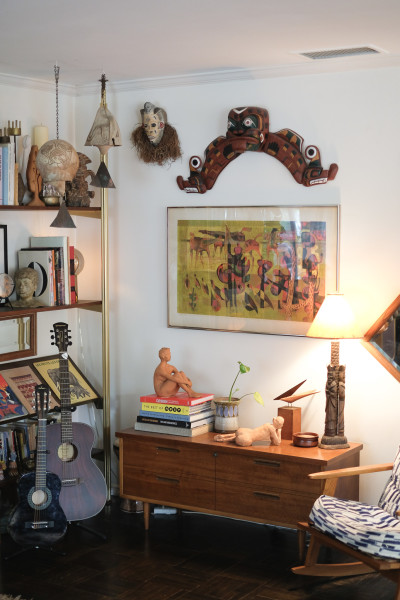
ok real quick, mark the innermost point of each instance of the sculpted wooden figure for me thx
(245, 436)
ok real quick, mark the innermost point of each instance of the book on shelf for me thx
(175, 422)
(154, 428)
(57, 241)
(201, 414)
(180, 398)
(7, 173)
(72, 276)
(174, 409)
(43, 263)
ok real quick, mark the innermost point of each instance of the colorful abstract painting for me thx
(261, 269)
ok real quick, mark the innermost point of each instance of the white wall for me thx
(352, 118)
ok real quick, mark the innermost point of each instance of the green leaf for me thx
(257, 397)
(243, 368)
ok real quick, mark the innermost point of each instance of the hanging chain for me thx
(56, 75)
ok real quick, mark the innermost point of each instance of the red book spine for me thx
(180, 400)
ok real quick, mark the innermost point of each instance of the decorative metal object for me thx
(104, 134)
(57, 162)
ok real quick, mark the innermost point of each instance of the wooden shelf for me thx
(5, 311)
(73, 209)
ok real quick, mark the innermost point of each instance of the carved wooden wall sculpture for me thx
(248, 131)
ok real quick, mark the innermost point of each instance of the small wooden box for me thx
(292, 424)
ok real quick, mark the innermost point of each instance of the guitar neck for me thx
(41, 455)
(65, 399)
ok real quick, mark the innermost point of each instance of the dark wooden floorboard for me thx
(187, 557)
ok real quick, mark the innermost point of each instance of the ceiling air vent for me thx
(339, 52)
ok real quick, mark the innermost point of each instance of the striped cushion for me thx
(361, 526)
(390, 498)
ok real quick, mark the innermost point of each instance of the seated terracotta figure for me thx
(245, 436)
(168, 380)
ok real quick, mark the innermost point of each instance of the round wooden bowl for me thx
(305, 439)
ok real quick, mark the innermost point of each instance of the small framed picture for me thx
(81, 390)
(10, 406)
(22, 381)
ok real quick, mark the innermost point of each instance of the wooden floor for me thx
(186, 557)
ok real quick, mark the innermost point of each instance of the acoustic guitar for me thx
(38, 519)
(83, 488)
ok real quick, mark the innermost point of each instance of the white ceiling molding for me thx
(305, 67)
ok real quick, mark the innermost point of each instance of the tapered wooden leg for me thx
(301, 542)
(146, 515)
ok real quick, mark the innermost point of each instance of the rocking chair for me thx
(370, 534)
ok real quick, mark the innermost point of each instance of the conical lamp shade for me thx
(63, 218)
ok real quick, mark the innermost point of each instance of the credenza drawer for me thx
(272, 471)
(166, 455)
(280, 506)
(165, 487)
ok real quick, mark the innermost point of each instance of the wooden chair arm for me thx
(351, 471)
(331, 477)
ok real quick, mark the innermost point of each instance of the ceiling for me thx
(178, 40)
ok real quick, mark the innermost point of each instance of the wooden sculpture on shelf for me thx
(77, 191)
(292, 414)
(34, 178)
(245, 436)
(167, 379)
(248, 130)
(155, 140)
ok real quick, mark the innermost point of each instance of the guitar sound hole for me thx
(67, 452)
(39, 499)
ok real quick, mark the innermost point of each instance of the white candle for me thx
(40, 135)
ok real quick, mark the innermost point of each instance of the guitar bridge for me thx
(39, 524)
(71, 482)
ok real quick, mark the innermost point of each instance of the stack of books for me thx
(8, 174)
(52, 257)
(177, 415)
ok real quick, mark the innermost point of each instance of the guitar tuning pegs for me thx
(69, 343)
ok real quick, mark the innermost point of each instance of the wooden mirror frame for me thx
(32, 350)
(374, 348)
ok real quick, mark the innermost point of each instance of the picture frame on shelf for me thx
(18, 336)
(22, 380)
(255, 269)
(10, 406)
(82, 391)
(3, 249)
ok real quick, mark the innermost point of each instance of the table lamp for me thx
(334, 321)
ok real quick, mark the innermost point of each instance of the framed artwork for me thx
(257, 269)
(81, 390)
(22, 380)
(3, 249)
(10, 406)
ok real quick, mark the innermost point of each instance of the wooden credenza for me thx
(262, 483)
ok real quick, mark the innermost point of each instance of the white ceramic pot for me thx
(226, 415)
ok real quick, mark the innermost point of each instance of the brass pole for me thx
(105, 336)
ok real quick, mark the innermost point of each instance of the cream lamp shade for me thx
(334, 320)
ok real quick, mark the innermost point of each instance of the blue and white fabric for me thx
(374, 530)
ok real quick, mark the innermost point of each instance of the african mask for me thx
(153, 119)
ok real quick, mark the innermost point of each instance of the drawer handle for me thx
(267, 463)
(165, 449)
(267, 496)
(167, 479)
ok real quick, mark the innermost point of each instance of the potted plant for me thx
(227, 408)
